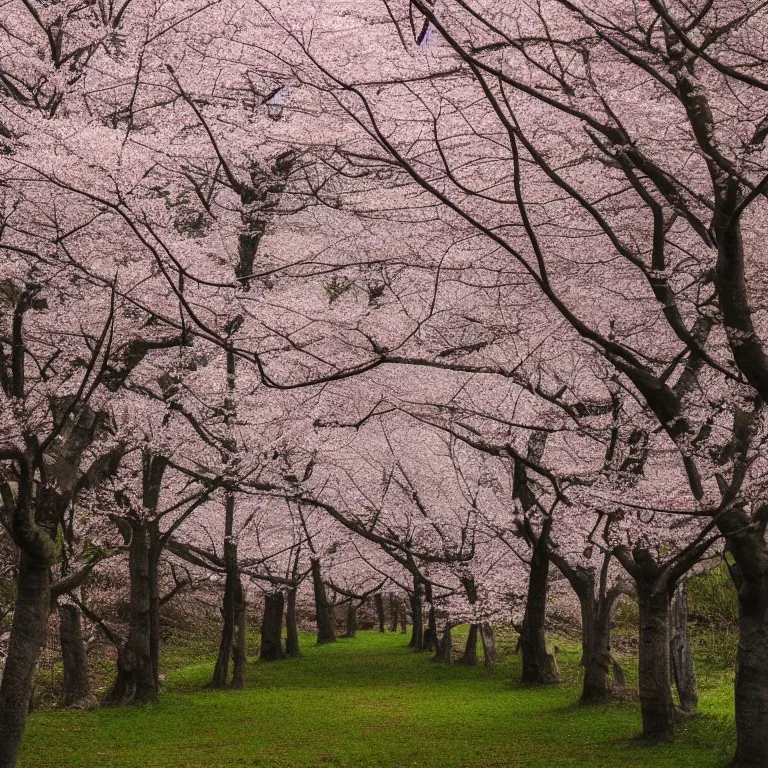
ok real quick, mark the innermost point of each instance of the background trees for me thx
(460, 290)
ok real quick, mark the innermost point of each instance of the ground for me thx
(371, 702)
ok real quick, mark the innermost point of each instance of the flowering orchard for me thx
(409, 301)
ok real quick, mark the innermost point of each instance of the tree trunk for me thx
(136, 682)
(431, 640)
(378, 601)
(351, 620)
(444, 651)
(470, 650)
(417, 632)
(654, 665)
(77, 687)
(291, 626)
(30, 619)
(682, 656)
(228, 607)
(325, 629)
(595, 649)
(238, 649)
(539, 666)
(153, 566)
(403, 621)
(393, 609)
(271, 627)
(489, 643)
(752, 676)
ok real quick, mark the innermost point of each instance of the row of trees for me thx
(432, 294)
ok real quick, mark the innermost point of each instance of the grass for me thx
(371, 702)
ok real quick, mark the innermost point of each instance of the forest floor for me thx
(372, 702)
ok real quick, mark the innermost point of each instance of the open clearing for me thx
(371, 702)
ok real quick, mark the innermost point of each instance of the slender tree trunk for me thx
(291, 626)
(231, 579)
(351, 620)
(378, 601)
(539, 666)
(325, 625)
(682, 655)
(470, 649)
(221, 669)
(272, 627)
(238, 649)
(489, 643)
(417, 632)
(654, 665)
(403, 621)
(431, 640)
(135, 682)
(77, 686)
(30, 619)
(394, 611)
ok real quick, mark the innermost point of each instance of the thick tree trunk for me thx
(136, 681)
(153, 565)
(417, 631)
(30, 619)
(595, 650)
(351, 630)
(680, 650)
(752, 676)
(539, 666)
(291, 626)
(77, 687)
(470, 649)
(378, 601)
(272, 627)
(489, 643)
(393, 609)
(654, 665)
(325, 625)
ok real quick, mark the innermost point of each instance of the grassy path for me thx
(368, 703)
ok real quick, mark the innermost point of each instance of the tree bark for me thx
(393, 609)
(654, 665)
(539, 666)
(291, 626)
(431, 640)
(238, 649)
(751, 689)
(417, 631)
(77, 687)
(595, 648)
(445, 646)
(489, 643)
(136, 681)
(378, 601)
(271, 627)
(351, 630)
(325, 629)
(228, 607)
(30, 619)
(470, 649)
(682, 656)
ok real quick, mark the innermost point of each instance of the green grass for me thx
(371, 702)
